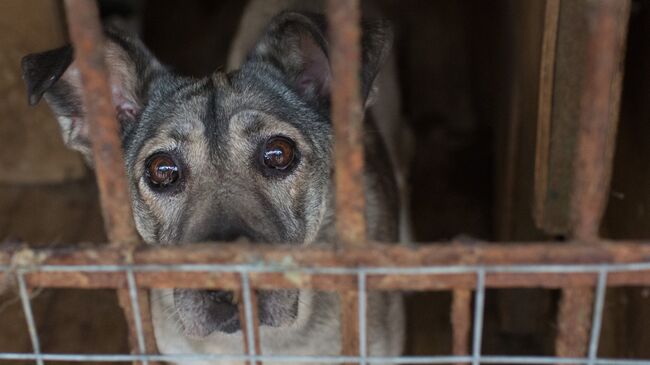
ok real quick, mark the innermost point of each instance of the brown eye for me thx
(279, 153)
(162, 171)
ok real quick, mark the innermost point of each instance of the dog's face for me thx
(237, 156)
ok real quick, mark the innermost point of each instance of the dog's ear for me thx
(297, 44)
(53, 75)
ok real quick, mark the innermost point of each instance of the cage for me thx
(527, 168)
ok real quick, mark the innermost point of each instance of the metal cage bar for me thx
(29, 317)
(347, 118)
(479, 309)
(597, 320)
(594, 155)
(86, 35)
(344, 30)
(387, 266)
(135, 304)
(460, 320)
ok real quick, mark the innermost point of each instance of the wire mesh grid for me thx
(608, 263)
(601, 271)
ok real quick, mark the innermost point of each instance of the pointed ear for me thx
(296, 43)
(53, 75)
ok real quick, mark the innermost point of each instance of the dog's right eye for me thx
(162, 171)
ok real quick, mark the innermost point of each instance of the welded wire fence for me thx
(361, 276)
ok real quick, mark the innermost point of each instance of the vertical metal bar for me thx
(242, 319)
(479, 305)
(29, 317)
(461, 312)
(135, 305)
(349, 322)
(256, 325)
(124, 298)
(252, 344)
(598, 115)
(87, 36)
(347, 118)
(363, 301)
(597, 320)
(573, 325)
(601, 91)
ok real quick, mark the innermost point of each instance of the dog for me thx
(238, 155)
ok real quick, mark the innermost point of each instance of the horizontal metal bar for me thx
(486, 359)
(317, 255)
(420, 270)
(431, 278)
(387, 267)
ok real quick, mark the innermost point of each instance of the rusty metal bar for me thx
(87, 37)
(599, 104)
(349, 300)
(257, 338)
(319, 256)
(386, 266)
(574, 321)
(548, 280)
(347, 118)
(598, 115)
(460, 321)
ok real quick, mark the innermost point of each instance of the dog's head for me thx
(242, 155)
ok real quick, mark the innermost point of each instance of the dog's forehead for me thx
(186, 111)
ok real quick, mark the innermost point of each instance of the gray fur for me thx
(214, 126)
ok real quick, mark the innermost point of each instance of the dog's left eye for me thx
(162, 171)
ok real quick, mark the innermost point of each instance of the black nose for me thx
(220, 296)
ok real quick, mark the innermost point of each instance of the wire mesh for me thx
(361, 274)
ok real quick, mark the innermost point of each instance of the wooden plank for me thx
(544, 112)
